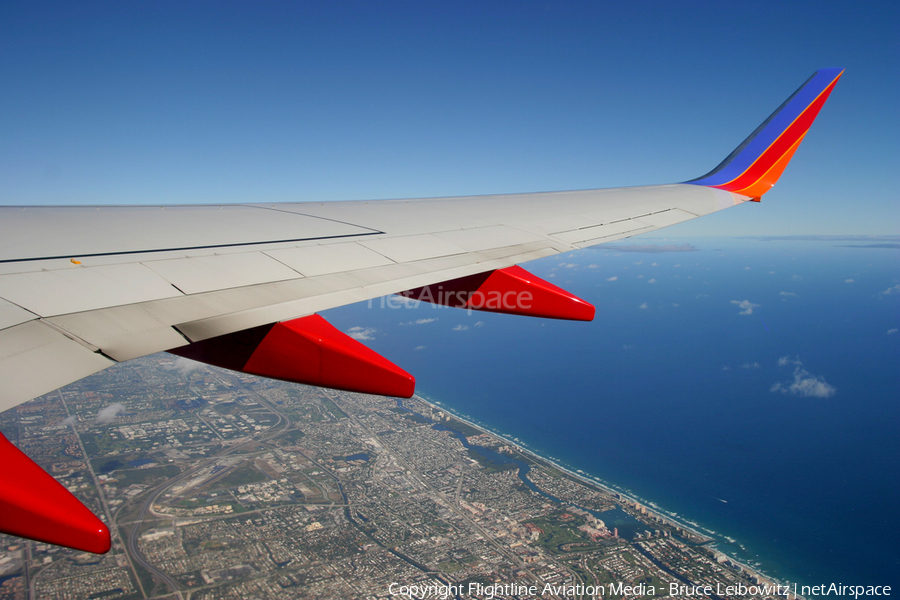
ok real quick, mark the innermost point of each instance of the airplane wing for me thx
(239, 286)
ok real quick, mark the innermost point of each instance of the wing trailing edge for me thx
(311, 351)
(755, 166)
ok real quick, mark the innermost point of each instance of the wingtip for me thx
(755, 166)
(834, 71)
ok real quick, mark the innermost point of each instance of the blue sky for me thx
(145, 103)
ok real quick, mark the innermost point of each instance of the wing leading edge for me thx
(82, 288)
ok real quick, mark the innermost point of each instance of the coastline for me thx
(651, 508)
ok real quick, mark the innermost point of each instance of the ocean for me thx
(748, 388)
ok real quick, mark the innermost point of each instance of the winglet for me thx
(754, 166)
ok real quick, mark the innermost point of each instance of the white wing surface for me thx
(83, 287)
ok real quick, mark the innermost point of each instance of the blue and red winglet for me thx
(754, 166)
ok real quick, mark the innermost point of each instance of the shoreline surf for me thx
(710, 539)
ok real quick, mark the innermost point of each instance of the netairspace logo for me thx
(493, 300)
(774, 589)
(838, 589)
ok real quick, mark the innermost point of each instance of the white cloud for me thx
(407, 302)
(71, 420)
(891, 331)
(479, 324)
(420, 321)
(891, 290)
(593, 266)
(419, 348)
(651, 281)
(108, 414)
(644, 305)
(753, 365)
(805, 385)
(848, 281)
(362, 333)
(797, 277)
(613, 278)
(746, 268)
(787, 360)
(460, 328)
(746, 306)
(786, 294)
(184, 365)
(568, 265)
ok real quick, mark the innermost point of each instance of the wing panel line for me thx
(184, 248)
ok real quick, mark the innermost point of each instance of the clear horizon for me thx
(229, 103)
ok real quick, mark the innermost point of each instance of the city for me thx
(222, 485)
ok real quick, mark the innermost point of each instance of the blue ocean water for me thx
(749, 387)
